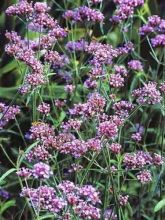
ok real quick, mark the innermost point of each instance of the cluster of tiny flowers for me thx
(41, 131)
(94, 144)
(117, 79)
(141, 159)
(84, 13)
(137, 136)
(123, 200)
(7, 113)
(144, 176)
(38, 153)
(76, 148)
(90, 83)
(155, 25)
(158, 41)
(139, 130)
(115, 148)
(40, 171)
(82, 198)
(135, 65)
(74, 124)
(147, 94)
(22, 8)
(44, 108)
(103, 54)
(94, 105)
(23, 50)
(125, 9)
(44, 198)
(79, 45)
(108, 129)
(54, 58)
(123, 108)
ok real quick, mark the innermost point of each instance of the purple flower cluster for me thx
(44, 108)
(40, 171)
(141, 159)
(76, 148)
(94, 105)
(118, 77)
(123, 108)
(135, 65)
(38, 153)
(94, 144)
(144, 176)
(108, 129)
(22, 8)
(25, 50)
(84, 13)
(147, 94)
(83, 199)
(44, 198)
(71, 124)
(123, 200)
(7, 113)
(125, 9)
(115, 148)
(79, 45)
(155, 25)
(55, 59)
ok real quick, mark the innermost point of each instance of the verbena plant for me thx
(88, 113)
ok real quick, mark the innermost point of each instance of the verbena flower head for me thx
(84, 13)
(7, 113)
(41, 170)
(108, 129)
(115, 148)
(123, 200)
(125, 9)
(38, 153)
(135, 65)
(147, 94)
(44, 108)
(144, 176)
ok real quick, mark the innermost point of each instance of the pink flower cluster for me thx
(25, 50)
(40, 171)
(148, 94)
(7, 113)
(123, 108)
(94, 105)
(44, 198)
(155, 25)
(141, 159)
(44, 108)
(84, 13)
(125, 9)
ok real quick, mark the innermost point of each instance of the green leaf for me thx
(6, 174)
(8, 67)
(7, 205)
(159, 205)
(8, 92)
(46, 216)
